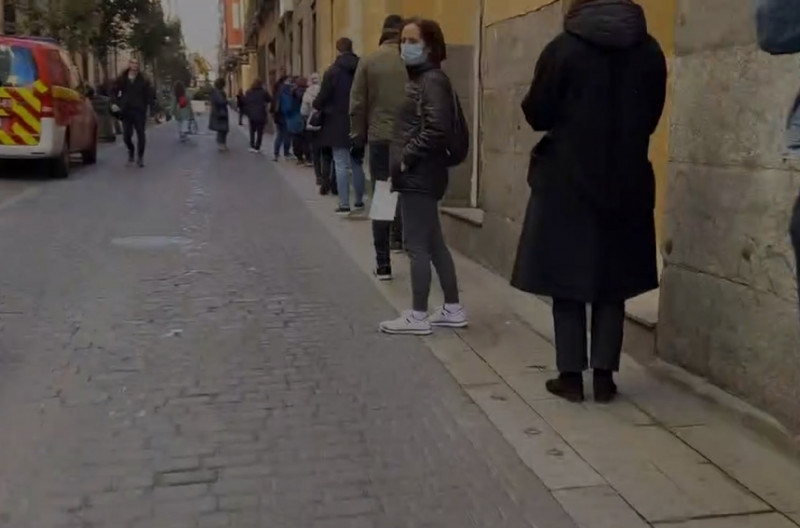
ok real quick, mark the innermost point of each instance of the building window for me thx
(314, 50)
(302, 46)
(237, 15)
(9, 18)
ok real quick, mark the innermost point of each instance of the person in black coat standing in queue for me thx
(589, 231)
(254, 105)
(333, 102)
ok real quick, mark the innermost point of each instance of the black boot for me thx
(604, 387)
(568, 385)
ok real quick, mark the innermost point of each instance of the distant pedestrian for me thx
(240, 106)
(132, 98)
(295, 122)
(182, 110)
(255, 104)
(218, 121)
(778, 25)
(378, 91)
(589, 233)
(424, 132)
(282, 136)
(334, 104)
(312, 128)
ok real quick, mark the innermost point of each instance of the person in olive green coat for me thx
(378, 91)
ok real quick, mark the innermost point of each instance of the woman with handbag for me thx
(420, 157)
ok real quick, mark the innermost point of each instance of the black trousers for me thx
(608, 320)
(256, 134)
(382, 232)
(425, 245)
(300, 147)
(327, 170)
(135, 121)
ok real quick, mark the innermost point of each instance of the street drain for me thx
(151, 242)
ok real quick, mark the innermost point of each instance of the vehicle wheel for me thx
(89, 157)
(60, 165)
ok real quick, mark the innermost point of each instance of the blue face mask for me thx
(413, 54)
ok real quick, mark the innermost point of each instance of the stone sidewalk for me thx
(660, 456)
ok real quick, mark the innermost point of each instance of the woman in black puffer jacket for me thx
(419, 155)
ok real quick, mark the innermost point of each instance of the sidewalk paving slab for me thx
(660, 455)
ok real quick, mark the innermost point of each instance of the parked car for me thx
(44, 111)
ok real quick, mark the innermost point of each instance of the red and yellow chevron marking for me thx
(25, 114)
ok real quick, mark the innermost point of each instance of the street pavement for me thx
(186, 345)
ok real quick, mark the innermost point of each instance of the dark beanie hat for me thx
(395, 22)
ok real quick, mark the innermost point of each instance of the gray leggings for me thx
(425, 246)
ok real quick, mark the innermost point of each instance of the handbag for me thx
(778, 26)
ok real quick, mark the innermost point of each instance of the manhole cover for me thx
(151, 242)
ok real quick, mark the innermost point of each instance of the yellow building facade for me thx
(492, 46)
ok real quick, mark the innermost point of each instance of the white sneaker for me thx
(449, 319)
(253, 151)
(407, 324)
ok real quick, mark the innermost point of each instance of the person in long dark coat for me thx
(333, 102)
(589, 231)
(218, 119)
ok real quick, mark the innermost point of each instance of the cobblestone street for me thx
(187, 346)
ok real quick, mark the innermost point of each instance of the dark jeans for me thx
(241, 118)
(135, 121)
(569, 318)
(300, 147)
(256, 134)
(425, 246)
(382, 232)
(327, 171)
(282, 138)
(794, 232)
(222, 137)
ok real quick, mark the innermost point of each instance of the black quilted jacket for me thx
(422, 132)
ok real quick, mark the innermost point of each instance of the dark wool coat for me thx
(598, 94)
(334, 101)
(218, 119)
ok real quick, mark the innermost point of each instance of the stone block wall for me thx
(728, 296)
(510, 49)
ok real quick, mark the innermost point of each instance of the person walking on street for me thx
(133, 97)
(182, 110)
(282, 137)
(333, 102)
(378, 91)
(218, 121)
(312, 130)
(240, 106)
(254, 104)
(425, 131)
(589, 232)
(778, 29)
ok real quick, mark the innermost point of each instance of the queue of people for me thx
(588, 237)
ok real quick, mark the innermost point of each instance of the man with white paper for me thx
(378, 90)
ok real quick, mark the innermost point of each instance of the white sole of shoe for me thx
(406, 332)
(384, 278)
(462, 324)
